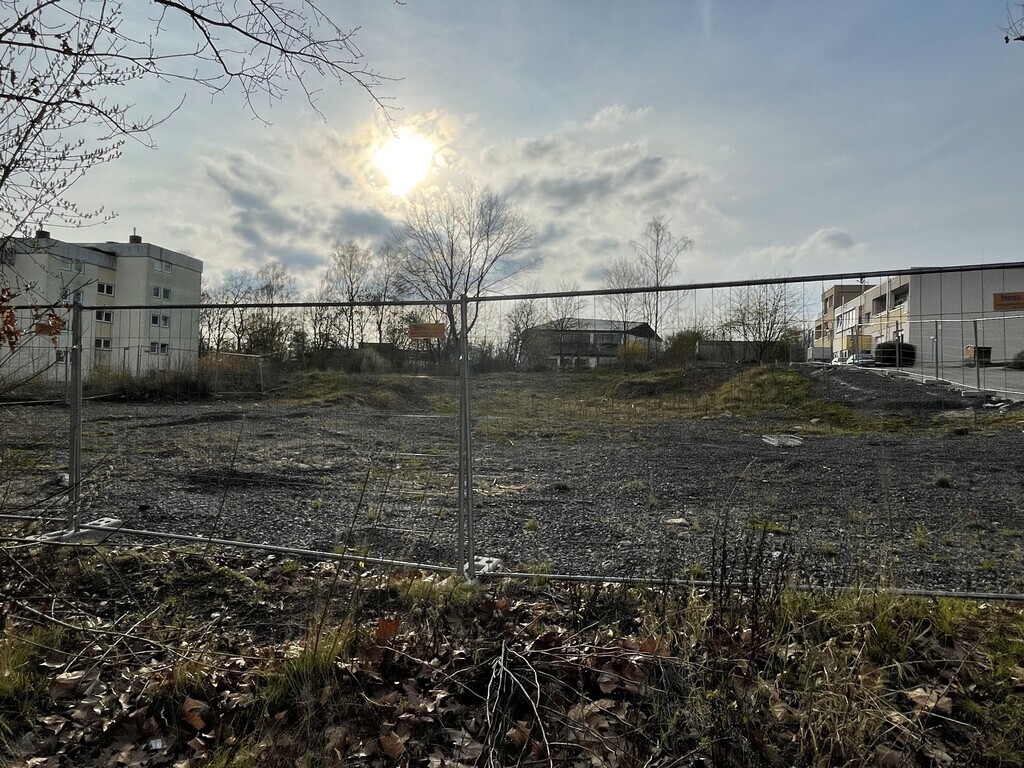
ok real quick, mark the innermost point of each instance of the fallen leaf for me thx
(391, 744)
(196, 713)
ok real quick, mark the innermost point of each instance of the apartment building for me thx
(129, 293)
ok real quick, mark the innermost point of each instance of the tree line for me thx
(474, 242)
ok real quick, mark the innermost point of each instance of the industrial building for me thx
(946, 313)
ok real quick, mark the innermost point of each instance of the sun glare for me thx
(405, 160)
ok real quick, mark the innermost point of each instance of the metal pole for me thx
(460, 536)
(937, 348)
(899, 346)
(467, 440)
(75, 432)
(977, 360)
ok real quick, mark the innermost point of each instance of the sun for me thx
(405, 160)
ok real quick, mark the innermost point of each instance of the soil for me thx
(936, 504)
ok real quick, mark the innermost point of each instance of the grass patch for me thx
(768, 526)
(23, 686)
(542, 571)
(381, 392)
(407, 666)
(921, 537)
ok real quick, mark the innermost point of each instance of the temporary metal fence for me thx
(554, 467)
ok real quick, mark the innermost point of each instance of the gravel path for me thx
(939, 508)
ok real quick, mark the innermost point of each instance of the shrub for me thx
(682, 348)
(632, 356)
(892, 353)
(1017, 363)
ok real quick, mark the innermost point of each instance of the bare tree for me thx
(319, 321)
(63, 66)
(566, 321)
(384, 283)
(224, 321)
(1014, 29)
(521, 317)
(467, 241)
(658, 252)
(623, 273)
(348, 279)
(762, 315)
(271, 327)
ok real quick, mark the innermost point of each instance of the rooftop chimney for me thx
(135, 239)
(42, 234)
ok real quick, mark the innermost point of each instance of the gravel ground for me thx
(936, 508)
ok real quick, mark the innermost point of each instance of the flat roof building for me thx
(129, 293)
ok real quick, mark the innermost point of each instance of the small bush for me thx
(893, 353)
(632, 356)
(682, 348)
(1017, 363)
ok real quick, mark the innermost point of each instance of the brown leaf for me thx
(196, 713)
(391, 744)
(518, 734)
(930, 701)
(387, 628)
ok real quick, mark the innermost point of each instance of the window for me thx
(71, 297)
(104, 289)
(154, 320)
(162, 266)
(104, 317)
(167, 294)
(156, 348)
(160, 321)
(161, 293)
(69, 265)
(165, 321)
(102, 343)
(156, 291)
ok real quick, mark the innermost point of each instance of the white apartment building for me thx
(128, 291)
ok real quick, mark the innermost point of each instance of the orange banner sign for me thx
(426, 330)
(1005, 302)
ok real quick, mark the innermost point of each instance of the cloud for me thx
(361, 224)
(252, 194)
(827, 248)
(587, 190)
(602, 246)
(616, 115)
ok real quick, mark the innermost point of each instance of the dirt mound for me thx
(878, 392)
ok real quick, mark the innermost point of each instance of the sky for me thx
(790, 138)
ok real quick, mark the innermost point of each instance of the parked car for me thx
(865, 359)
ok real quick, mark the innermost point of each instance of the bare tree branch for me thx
(63, 65)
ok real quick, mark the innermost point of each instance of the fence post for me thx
(466, 446)
(75, 431)
(938, 349)
(977, 359)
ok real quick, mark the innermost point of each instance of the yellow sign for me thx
(426, 330)
(1005, 302)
